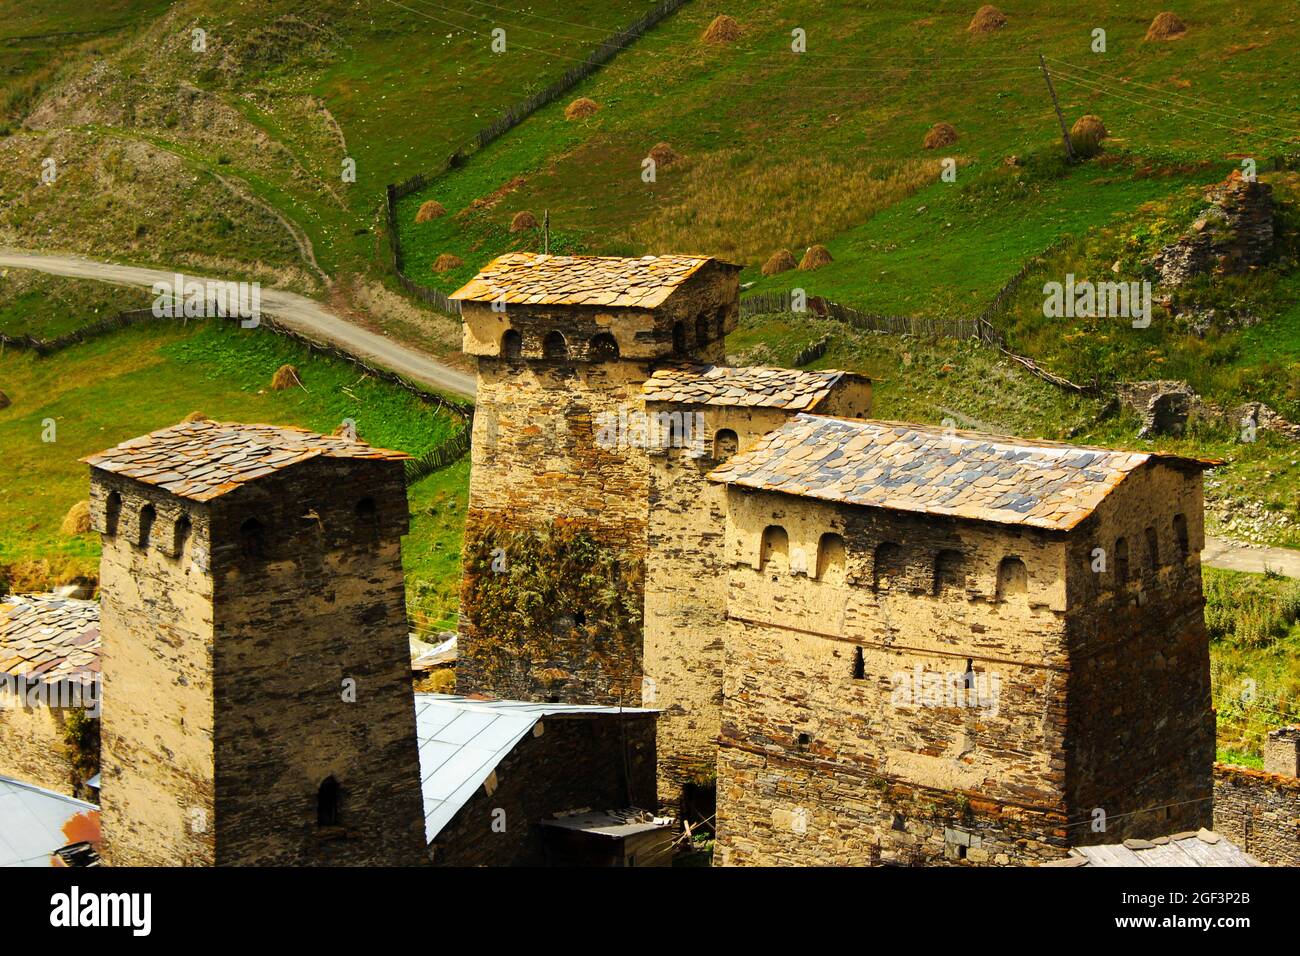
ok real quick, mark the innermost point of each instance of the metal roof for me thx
(34, 823)
(462, 740)
(1192, 848)
(614, 824)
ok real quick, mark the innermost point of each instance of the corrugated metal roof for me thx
(462, 740)
(36, 822)
(1201, 848)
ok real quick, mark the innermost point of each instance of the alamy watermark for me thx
(922, 688)
(18, 691)
(188, 298)
(1072, 299)
(652, 430)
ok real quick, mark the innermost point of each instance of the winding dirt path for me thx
(295, 311)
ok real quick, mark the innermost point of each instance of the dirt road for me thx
(290, 309)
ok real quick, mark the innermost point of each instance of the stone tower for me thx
(686, 568)
(563, 346)
(256, 673)
(948, 646)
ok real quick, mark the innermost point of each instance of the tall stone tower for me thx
(256, 674)
(563, 346)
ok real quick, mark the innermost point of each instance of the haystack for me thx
(195, 417)
(446, 262)
(815, 258)
(77, 520)
(723, 29)
(1086, 135)
(987, 19)
(1166, 26)
(940, 135)
(4, 400)
(523, 221)
(429, 209)
(286, 376)
(782, 261)
(664, 155)
(581, 108)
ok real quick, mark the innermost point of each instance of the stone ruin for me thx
(1230, 236)
(1164, 406)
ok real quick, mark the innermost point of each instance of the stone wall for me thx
(536, 455)
(31, 745)
(1260, 812)
(686, 583)
(827, 756)
(243, 669)
(602, 761)
(1140, 734)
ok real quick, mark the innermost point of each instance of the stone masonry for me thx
(257, 699)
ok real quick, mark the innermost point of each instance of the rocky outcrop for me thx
(1164, 406)
(1232, 235)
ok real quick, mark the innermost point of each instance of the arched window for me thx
(725, 444)
(252, 539)
(112, 512)
(679, 339)
(365, 509)
(720, 323)
(181, 535)
(1013, 579)
(830, 558)
(512, 344)
(1180, 536)
(887, 566)
(604, 348)
(554, 346)
(1153, 549)
(701, 330)
(776, 549)
(327, 803)
(147, 516)
(1122, 569)
(948, 571)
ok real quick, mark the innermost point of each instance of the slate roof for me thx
(462, 740)
(754, 386)
(1199, 848)
(34, 823)
(203, 460)
(528, 278)
(935, 471)
(50, 639)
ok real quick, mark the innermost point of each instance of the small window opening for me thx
(327, 803)
(887, 566)
(1122, 569)
(1013, 579)
(554, 346)
(147, 516)
(604, 348)
(775, 550)
(725, 444)
(252, 539)
(701, 331)
(1153, 549)
(182, 535)
(1180, 535)
(679, 339)
(112, 512)
(830, 558)
(512, 344)
(859, 665)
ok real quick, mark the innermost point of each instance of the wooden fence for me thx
(512, 117)
(441, 455)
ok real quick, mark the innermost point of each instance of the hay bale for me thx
(1166, 26)
(77, 520)
(523, 221)
(815, 258)
(446, 262)
(4, 400)
(286, 376)
(664, 155)
(782, 261)
(429, 209)
(195, 417)
(581, 108)
(723, 29)
(987, 19)
(1086, 135)
(940, 135)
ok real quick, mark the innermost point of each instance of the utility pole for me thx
(1065, 133)
(546, 233)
